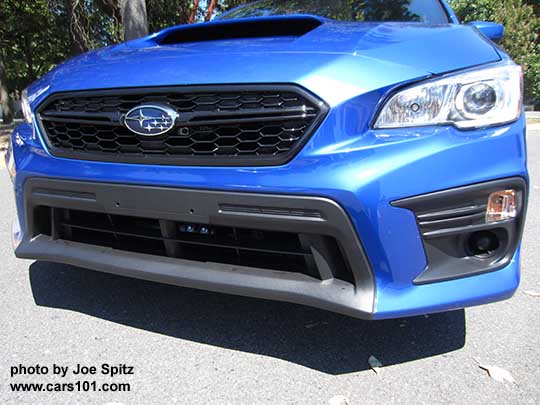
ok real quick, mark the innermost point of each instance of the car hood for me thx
(335, 60)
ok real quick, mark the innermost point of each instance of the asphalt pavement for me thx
(188, 346)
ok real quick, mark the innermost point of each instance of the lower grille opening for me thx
(272, 250)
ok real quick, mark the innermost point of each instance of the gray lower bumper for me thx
(207, 206)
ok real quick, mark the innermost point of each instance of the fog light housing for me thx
(483, 243)
(502, 205)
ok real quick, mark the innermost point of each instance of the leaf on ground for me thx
(497, 373)
(531, 293)
(314, 324)
(375, 364)
(338, 400)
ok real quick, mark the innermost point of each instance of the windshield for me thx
(427, 11)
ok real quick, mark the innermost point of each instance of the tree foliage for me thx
(522, 36)
(33, 38)
(7, 116)
(35, 35)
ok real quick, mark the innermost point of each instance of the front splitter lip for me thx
(332, 295)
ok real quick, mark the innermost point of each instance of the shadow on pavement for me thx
(317, 339)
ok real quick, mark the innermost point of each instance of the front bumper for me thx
(313, 216)
(362, 177)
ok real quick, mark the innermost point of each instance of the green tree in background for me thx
(522, 36)
(33, 38)
(35, 35)
(4, 96)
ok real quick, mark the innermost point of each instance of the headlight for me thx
(478, 98)
(25, 107)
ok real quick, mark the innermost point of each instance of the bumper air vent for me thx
(272, 250)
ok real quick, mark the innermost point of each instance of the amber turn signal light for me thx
(502, 205)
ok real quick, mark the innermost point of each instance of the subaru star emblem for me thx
(150, 119)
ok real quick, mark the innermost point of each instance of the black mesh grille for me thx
(216, 126)
(265, 249)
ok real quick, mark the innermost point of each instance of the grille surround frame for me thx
(322, 109)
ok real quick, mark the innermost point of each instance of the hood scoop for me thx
(293, 26)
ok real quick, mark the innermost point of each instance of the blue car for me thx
(363, 157)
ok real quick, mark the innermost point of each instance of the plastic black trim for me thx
(445, 246)
(231, 161)
(289, 213)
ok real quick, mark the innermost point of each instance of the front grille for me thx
(254, 248)
(226, 125)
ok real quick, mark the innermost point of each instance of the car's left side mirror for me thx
(493, 31)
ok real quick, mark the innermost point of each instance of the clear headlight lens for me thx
(25, 107)
(479, 98)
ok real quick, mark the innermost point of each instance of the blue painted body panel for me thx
(352, 67)
(493, 31)
(336, 61)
